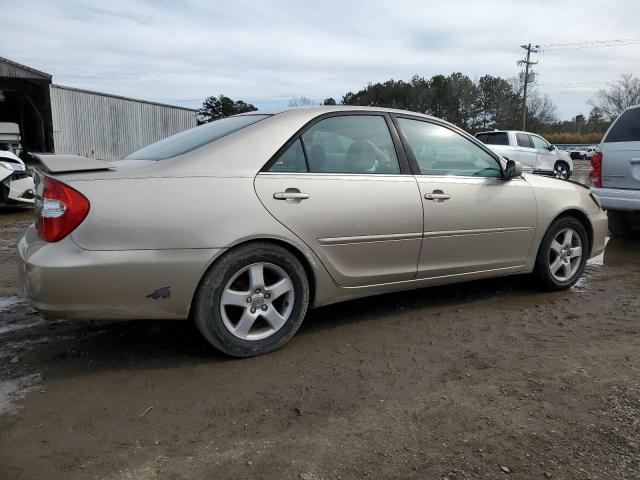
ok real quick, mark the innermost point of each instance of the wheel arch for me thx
(578, 215)
(291, 248)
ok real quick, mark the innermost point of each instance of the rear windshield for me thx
(497, 138)
(193, 138)
(626, 128)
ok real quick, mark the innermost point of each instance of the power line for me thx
(595, 44)
(591, 42)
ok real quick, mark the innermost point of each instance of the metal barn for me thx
(59, 119)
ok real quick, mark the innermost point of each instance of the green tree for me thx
(329, 101)
(214, 108)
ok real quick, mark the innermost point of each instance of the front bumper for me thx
(18, 188)
(618, 199)
(62, 280)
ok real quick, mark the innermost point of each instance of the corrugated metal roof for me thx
(92, 92)
(9, 68)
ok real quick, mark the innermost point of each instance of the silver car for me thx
(244, 223)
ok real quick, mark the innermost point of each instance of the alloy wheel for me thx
(561, 171)
(257, 301)
(565, 255)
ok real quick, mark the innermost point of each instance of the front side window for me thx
(524, 140)
(539, 143)
(358, 144)
(626, 128)
(440, 151)
(193, 138)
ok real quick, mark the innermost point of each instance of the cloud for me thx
(180, 51)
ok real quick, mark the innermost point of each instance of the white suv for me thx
(615, 173)
(532, 151)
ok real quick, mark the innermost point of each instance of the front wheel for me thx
(562, 171)
(252, 300)
(562, 255)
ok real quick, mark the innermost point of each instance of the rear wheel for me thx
(562, 255)
(253, 300)
(561, 170)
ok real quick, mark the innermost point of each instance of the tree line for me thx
(473, 105)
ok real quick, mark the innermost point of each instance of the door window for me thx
(440, 151)
(539, 143)
(524, 140)
(351, 144)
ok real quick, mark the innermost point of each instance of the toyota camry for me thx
(245, 223)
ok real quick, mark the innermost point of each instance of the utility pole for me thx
(527, 62)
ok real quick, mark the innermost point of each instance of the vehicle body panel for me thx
(16, 184)
(341, 222)
(497, 216)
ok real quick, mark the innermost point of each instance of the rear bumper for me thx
(618, 198)
(600, 231)
(62, 280)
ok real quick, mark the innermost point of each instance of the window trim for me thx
(434, 121)
(401, 155)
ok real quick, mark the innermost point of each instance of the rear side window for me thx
(291, 161)
(497, 138)
(524, 140)
(626, 128)
(193, 138)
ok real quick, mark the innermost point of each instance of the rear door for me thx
(344, 187)
(527, 154)
(621, 152)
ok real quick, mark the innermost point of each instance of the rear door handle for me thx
(437, 196)
(291, 195)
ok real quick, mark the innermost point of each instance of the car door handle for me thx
(437, 196)
(634, 161)
(291, 194)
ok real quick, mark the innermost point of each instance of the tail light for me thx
(60, 210)
(595, 175)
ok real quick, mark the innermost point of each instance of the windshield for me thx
(193, 138)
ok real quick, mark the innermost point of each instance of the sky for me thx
(266, 52)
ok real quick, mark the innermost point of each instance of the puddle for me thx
(14, 326)
(16, 389)
(7, 302)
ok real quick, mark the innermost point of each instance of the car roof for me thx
(319, 110)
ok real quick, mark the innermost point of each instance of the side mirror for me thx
(552, 148)
(514, 169)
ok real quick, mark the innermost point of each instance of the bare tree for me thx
(623, 93)
(302, 102)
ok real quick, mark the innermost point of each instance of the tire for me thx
(619, 225)
(550, 257)
(562, 171)
(236, 275)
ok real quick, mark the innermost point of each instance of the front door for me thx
(340, 188)
(474, 220)
(527, 154)
(546, 157)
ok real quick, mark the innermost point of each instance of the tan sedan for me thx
(244, 223)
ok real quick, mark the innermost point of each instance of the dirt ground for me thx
(489, 379)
